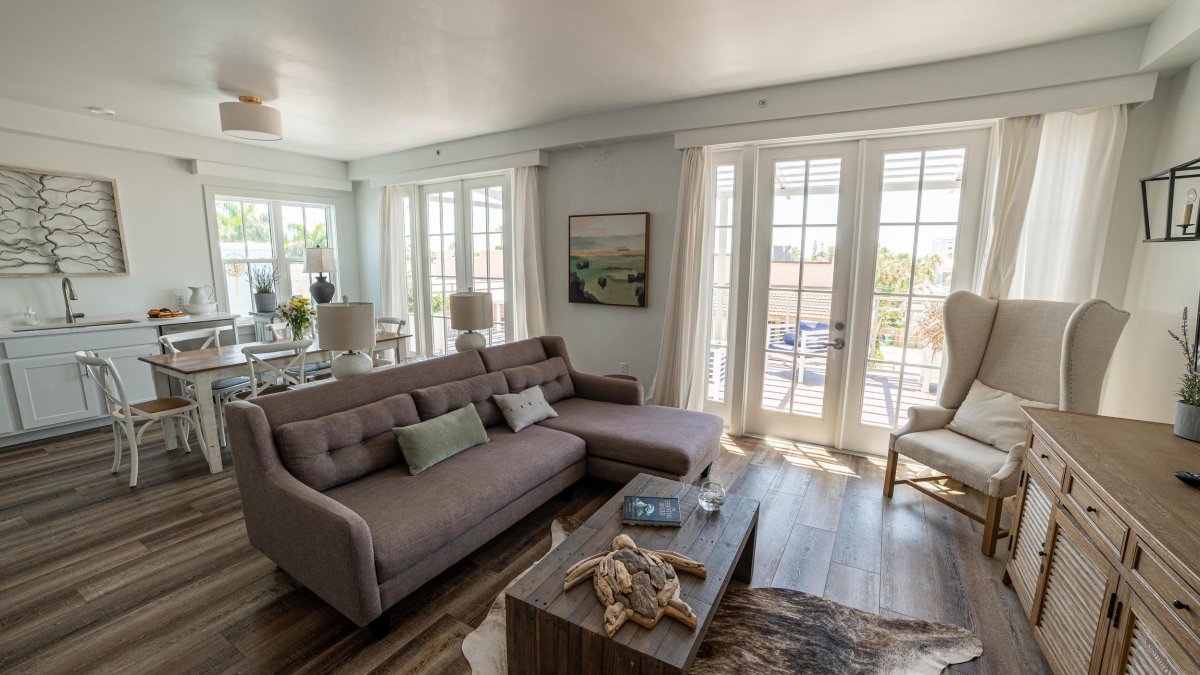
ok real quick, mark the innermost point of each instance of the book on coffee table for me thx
(654, 511)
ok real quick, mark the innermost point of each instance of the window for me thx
(914, 265)
(462, 231)
(723, 235)
(254, 234)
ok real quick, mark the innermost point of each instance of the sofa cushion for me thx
(551, 375)
(327, 397)
(427, 443)
(410, 517)
(524, 408)
(441, 399)
(670, 440)
(513, 354)
(340, 447)
(965, 459)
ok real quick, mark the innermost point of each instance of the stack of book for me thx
(655, 511)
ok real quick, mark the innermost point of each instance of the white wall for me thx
(635, 176)
(1163, 278)
(166, 231)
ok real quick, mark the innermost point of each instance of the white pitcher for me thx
(199, 297)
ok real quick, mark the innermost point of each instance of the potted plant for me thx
(1187, 410)
(263, 280)
(299, 313)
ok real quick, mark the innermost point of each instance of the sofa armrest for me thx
(316, 540)
(610, 389)
(922, 418)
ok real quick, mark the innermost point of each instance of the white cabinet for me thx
(53, 390)
(6, 420)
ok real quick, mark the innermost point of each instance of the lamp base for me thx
(351, 364)
(322, 291)
(470, 340)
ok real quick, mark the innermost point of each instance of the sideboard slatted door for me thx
(1142, 646)
(1029, 540)
(1070, 622)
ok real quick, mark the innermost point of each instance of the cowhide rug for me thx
(776, 631)
(486, 647)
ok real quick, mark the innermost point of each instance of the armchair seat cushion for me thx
(670, 440)
(962, 458)
(411, 517)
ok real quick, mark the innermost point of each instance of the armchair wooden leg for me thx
(991, 525)
(889, 474)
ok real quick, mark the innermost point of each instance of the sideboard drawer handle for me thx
(1090, 509)
(1179, 604)
(1044, 456)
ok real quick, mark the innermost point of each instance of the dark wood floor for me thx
(97, 577)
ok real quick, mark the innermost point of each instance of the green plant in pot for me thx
(1187, 410)
(263, 281)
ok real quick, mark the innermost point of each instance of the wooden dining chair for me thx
(271, 376)
(223, 390)
(387, 324)
(126, 416)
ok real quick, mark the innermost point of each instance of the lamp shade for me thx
(319, 261)
(470, 311)
(248, 118)
(346, 326)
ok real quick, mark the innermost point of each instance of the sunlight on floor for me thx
(811, 457)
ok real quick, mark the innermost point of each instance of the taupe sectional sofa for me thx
(327, 495)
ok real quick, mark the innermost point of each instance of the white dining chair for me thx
(388, 324)
(223, 390)
(126, 416)
(271, 376)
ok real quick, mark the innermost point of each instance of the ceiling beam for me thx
(1173, 40)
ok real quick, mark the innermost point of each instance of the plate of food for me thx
(166, 313)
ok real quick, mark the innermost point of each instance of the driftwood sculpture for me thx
(636, 584)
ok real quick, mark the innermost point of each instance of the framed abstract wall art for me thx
(607, 258)
(59, 224)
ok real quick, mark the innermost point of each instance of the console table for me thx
(1105, 554)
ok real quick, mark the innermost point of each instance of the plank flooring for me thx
(96, 577)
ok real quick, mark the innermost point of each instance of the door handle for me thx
(837, 343)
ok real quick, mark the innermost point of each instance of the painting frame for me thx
(609, 240)
(118, 227)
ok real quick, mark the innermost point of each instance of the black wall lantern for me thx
(1184, 180)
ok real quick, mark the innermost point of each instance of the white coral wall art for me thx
(57, 225)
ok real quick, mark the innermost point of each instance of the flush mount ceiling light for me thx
(103, 112)
(248, 118)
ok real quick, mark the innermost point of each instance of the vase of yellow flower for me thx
(299, 313)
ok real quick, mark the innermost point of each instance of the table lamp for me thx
(470, 311)
(347, 327)
(320, 261)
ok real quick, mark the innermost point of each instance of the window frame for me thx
(280, 261)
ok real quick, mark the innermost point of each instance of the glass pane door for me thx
(921, 215)
(487, 223)
(801, 285)
(442, 243)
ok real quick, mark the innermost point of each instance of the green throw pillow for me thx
(429, 442)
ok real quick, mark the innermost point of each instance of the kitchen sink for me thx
(81, 324)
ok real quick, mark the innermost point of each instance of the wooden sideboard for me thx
(1105, 555)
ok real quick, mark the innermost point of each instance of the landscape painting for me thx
(608, 258)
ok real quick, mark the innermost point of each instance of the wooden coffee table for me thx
(550, 631)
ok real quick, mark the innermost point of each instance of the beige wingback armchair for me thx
(1051, 352)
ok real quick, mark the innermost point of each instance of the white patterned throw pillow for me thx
(523, 409)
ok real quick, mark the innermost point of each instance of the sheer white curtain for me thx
(1016, 147)
(683, 354)
(528, 314)
(1066, 222)
(395, 214)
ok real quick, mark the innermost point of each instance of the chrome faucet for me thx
(68, 290)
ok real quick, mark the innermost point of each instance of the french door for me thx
(464, 236)
(853, 248)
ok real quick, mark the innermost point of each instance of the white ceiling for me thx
(361, 78)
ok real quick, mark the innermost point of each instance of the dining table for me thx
(202, 367)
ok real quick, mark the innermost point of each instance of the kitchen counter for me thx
(105, 322)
